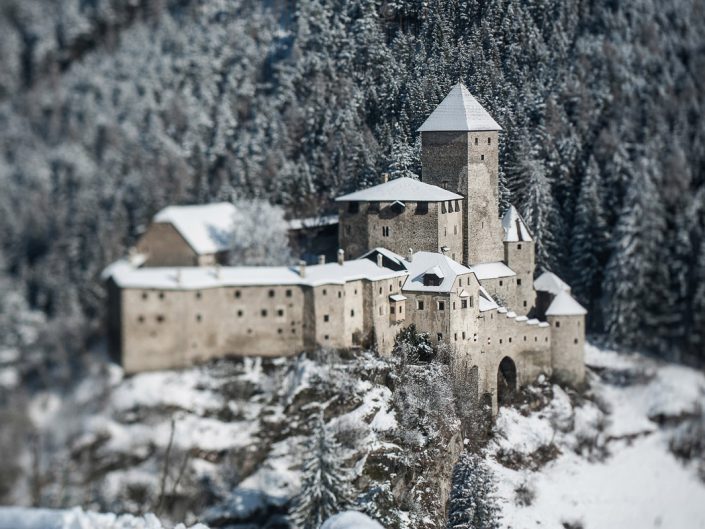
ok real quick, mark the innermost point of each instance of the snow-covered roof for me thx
(492, 270)
(459, 111)
(443, 267)
(486, 301)
(395, 258)
(401, 189)
(206, 228)
(515, 229)
(550, 282)
(397, 297)
(565, 305)
(313, 222)
(193, 278)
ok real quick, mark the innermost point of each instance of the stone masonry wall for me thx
(568, 348)
(519, 256)
(164, 246)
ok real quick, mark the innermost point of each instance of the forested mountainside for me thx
(112, 109)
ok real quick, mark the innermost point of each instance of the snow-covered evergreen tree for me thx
(472, 498)
(325, 482)
(260, 234)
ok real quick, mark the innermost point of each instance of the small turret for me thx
(519, 255)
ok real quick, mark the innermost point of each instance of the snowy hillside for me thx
(606, 460)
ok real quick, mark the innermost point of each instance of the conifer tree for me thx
(473, 504)
(325, 483)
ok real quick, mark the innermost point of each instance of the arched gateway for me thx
(506, 381)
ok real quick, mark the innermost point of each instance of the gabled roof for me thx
(390, 259)
(550, 282)
(437, 264)
(459, 111)
(565, 305)
(492, 270)
(401, 189)
(486, 301)
(206, 228)
(515, 229)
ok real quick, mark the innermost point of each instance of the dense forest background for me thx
(111, 109)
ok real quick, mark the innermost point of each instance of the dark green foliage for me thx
(413, 346)
(472, 499)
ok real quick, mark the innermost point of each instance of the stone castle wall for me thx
(164, 246)
(519, 256)
(380, 224)
(568, 348)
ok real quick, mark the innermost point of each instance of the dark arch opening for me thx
(506, 381)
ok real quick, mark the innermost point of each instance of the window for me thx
(326, 317)
(482, 157)
(419, 304)
(293, 331)
(326, 337)
(457, 205)
(454, 305)
(325, 292)
(431, 280)
(399, 284)
(198, 318)
(385, 231)
(239, 314)
(575, 341)
(422, 208)
(455, 336)
(279, 331)
(390, 287)
(558, 324)
(264, 313)
(470, 299)
(546, 339)
(237, 294)
(144, 295)
(439, 336)
(140, 319)
(356, 292)
(198, 295)
(380, 290)
(161, 295)
(524, 338)
(519, 246)
(271, 293)
(463, 303)
(288, 293)
(510, 340)
(353, 207)
(340, 294)
(401, 309)
(443, 207)
(391, 310)
(476, 141)
(500, 341)
(525, 303)
(536, 339)
(501, 283)
(518, 282)
(489, 141)
(441, 305)
(352, 313)
(463, 335)
(280, 312)
(160, 318)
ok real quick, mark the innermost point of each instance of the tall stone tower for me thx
(459, 152)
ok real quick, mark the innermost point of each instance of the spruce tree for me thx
(325, 483)
(473, 504)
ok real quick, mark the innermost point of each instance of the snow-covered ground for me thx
(603, 462)
(23, 518)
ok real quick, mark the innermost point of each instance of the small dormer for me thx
(433, 277)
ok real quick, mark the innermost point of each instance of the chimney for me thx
(410, 255)
(380, 258)
(341, 256)
(385, 178)
(321, 259)
(302, 268)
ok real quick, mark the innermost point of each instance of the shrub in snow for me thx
(524, 493)
(473, 504)
(688, 441)
(413, 346)
(325, 483)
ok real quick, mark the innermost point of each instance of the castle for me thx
(430, 252)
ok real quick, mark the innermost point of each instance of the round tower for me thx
(567, 319)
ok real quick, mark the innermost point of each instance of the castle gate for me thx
(506, 381)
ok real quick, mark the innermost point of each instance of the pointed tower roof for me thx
(515, 229)
(459, 111)
(565, 305)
